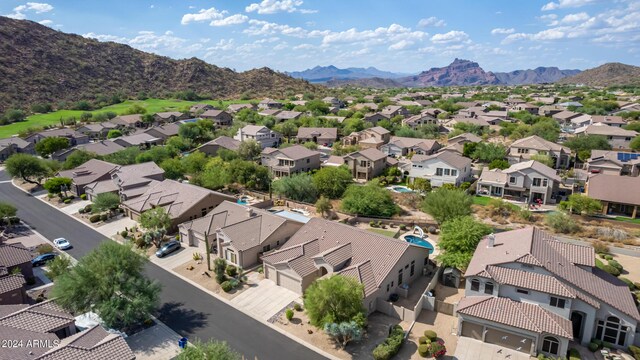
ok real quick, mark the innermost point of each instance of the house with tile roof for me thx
(239, 233)
(418, 120)
(74, 137)
(128, 121)
(261, 134)
(403, 146)
(445, 167)
(523, 149)
(619, 195)
(611, 120)
(291, 160)
(102, 147)
(368, 163)
(169, 117)
(381, 263)
(373, 137)
(198, 109)
(220, 118)
(612, 162)
(140, 139)
(322, 136)
(529, 181)
(222, 142)
(163, 131)
(96, 131)
(15, 145)
(12, 290)
(529, 292)
(618, 138)
(269, 104)
(128, 181)
(91, 171)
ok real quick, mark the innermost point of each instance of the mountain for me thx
(375, 83)
(538, 75)
(39, 64)
(320, 74)
(608, 74)
(459, 72)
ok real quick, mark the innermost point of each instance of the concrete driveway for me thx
(73, 208)
(471, 349)
(115, 226)
(176, 258)
(155, 343)
(265, 299)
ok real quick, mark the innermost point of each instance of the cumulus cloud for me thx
(393, 33)
(259, 27)
(449, 37)
(46, 22)
(203, 15)
(573, 18)
(400, 45)
(276, 6)
(502, 31)
(19, 12)
(230, 20)
(431, 21)
(562, 4)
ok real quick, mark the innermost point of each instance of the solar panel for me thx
(624, 157)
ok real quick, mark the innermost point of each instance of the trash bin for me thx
(182, 343)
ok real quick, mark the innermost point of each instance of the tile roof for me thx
(321, 133)
(535, 165)
(254, 129)
(10, 283)
(101, 147)
(288, 115)
(405, 142)
(614, 188)
(466, 136)
(493, 176)
(136, 139)
(225, 142)
(529, 280)
(14, 254)
(127, 119)
(608, 119)
(18, 142)
(88, 172)
(451, 158)
(43, 317)
(378, 130)
(95, 344)
(167, 130)
(168, 114)
(516, 314)
(295, 152)
(370, 153)
(606, 130)
(538, 143)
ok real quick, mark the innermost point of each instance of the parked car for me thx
(168, 248)
(43, 259)
(62, 244)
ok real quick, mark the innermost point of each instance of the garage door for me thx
(270, 273)
(289, 283)
(472, 330)
(508, 340)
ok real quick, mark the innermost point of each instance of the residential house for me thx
(290, 160)
(141, 139)
(403, 146)
(334, 160)
(238, 233)
(261, 134)
(323, 247)
(617, 137)
(620, 195)
(129, 121)
(523, 149)
(531, 293)
(392, 111)
(532, 109)
(234, 108)
(16, 256)
(13, 145)
(421, 119)
(456, 143)
(442, 168)
(550, 110)
(564, 117)
(373, 138)
(74, 137)
(322, 136)
(611, 162)
(368, 163)
(333, 101)
(269, 112)
(127, 181)
(87, 173)
(269, 104)
(222, 142)
(183, 202)
(482, 124)
(12, 290)
(530, 181)
(364, 106)
(373, 118)
(287, 115)
(102, 147)
(580, 121)
(198, 109)
(611, 120)
(169, 117)
(163, 132)
(97, 131)
(220, 118)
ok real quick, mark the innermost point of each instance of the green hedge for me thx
(574, 354)
(423, 350)
(226, 286)
(94, 218)
(431, 335)
(391, 345)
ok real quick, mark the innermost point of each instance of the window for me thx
(308, 160)
(537, 181)
(557, 302)
(488, 288)
(612, 331)
(439, 172)
(363, 163)
(512, 180)
(550, 345)
(392, 284)
(522, 291)
(545, 182)
(475, 285)
(278, 243)
(400, 277)
(447, 172)
(426, 260)
(413, 267)
(627, 139)
(266, 248)
(387, 287)
(454, 172)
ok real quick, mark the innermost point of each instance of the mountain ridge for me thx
(320, 74)
(608, 74)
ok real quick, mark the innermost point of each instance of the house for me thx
(323, 247)
(528, 181)
(532, 109)
(141, 139)
(421, 119)
(163, 132)
(456, 143)
(620, 195)
(47, 332)
(238, 233)
(364, 106)
(97, 131)
(322, 136)
(565, 116)
(234, 108)
(374, 118)
(13, 145)
(12, 291)
(392, 111)
(333, 101)
(102, 147)
(74, 137)
(617, 137)
(403, 146)
(261, 134)
(368, 138)
(368, 163)
(222, 142)
(128, 181)
(269, 104)
(482, 124)
(442, 168)
(183, 202)
(91, 171)
(16, 256)
(610, 120)
(611, 162)
(334, 160)
(287, 115)
(529, 292)
(198, 109)
(129, 121)
(580, 121)
(549, 110)
(269, 112)
(290, 160)
(220, 118)
(169, 117)
(523, 149)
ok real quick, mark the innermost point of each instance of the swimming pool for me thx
(402, 189)
(242, 202)
(416, 240)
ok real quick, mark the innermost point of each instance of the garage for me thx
(508, 340)
(472, 330)
(288, 283)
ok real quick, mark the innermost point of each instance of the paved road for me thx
(185, 308)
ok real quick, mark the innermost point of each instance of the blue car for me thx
(43, 259)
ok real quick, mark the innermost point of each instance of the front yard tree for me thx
(445, 204)
(7, 210)
(298, 187)
(336, 299)
(78, 158)
(487, 152)
(323, 206)
(27, 167)
(249, 150)
(58, 185)
(210, 350)
(105, 202)
(582, 145)
(110, 281)
(459, 238)
(332, 181)
(48, 146)
(156, 222)
(581, 204)
(369, 200)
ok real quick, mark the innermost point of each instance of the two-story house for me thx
(421, 119)
(290, 160)
(529, 292)
(260, 134)
(522, 149)
(373, 137)
(169, 117)
(617, 137)
(392, 111)
(212, 147)
(269, 104)
(403, 146)
(529, 181)
(97, 131)
(611, 162)
(368, 163)
(611, 120)
(220, 118)
(322, 136)
(15, 145)
(74, 137)
(333, 101)
(442, 168)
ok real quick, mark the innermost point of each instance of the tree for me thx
(57, 184)
(420, 184)
(15, 115)
(344, 332)
(78, 158)
(112, 134)
(178, 144)
(332, 181)
(214, 176)
(156, 221)
(60, 265)
(109, 281)
(210, 350)
(297, 187)
(156, 154)
(323, 206)
(635, 143)
(7, 210)
(581, 204)
(287, 128)
(546, 128)
(48, 146)
(459, 238)
(27, 167)
(125, 156)
(190, 131)
(468, 149)
(369, 200)
(447, 204)
(173, 168)
(582, 145)
(105, 202)
(335, 299)
(194, 162)
(544, 159)
(499, 164)
(487, 152)
(249, 150)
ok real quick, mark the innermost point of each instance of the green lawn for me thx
(481, 200)
(625, 219)
(152, 106)
(388, 233)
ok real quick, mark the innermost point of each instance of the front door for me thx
(577, 319)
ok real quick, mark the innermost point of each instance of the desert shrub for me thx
(67, 201)
(361, 320)
(197, 256)
(612, 234)
(562, 223)
(616, 265)
(87, 208)
(124, 233)
(104, 217)
(83, 196)
(81, 211)
(226, 286)
(635, 351)
(390, 346)
(297, 307)
(423, 350)
(608, 257)
(94, 218)
(432, 230)
(44, 249)
(372, 223)
(611, 270)
(600, 247)
(232, 270)
(629, 283)
(574, 354)
(525, 215)
(289, 314)
(423, 340)
(402, 226)
(431, 335)
(140, 242)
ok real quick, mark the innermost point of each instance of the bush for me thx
(608, 257)
(67, 201)
(226, 286)
(574, 354)
(197, 256)
(431, 335)
(635, 351)
(423, 350)
(232, 270)
(124, 233)
(402, 226)
(629, 283)
(289, 314)
(140, 242)
(297, 307)
(83, 197)
(437, 349)
(600, 247)
(616, 265)
(611, 270)
(390, 346)
(432, 230)
(423, 340)
(361, 320)
(81, 211)
(562, 223)
(87, 208)
(104, 217)
(597, 342)
(44, 249)
(94, 218)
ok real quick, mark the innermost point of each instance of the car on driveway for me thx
(168, 248)
(43, 259)
(62, 244)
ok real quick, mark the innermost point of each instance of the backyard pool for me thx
(400, 189)
(416, 240)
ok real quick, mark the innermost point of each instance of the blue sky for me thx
(402, 35)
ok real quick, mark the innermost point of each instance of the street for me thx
(184, 308)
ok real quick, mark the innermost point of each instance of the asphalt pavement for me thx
(186, 309)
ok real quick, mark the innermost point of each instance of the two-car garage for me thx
(283, 279)
(491, 335)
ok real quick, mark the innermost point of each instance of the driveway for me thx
(155, 343)
(176, 258)
(265, 299)
(73, 208)
(116, 226)
(471, 349)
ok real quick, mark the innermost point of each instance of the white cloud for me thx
(393, 33)
(230, 20)
(573, 18)
(203, 15)
(276, 6)
(400, 45)
(431, 21)
(502, 31)
(38, 8)
(102, 37)
(449, 37)
(46, 22)
(304, 47)
(563, 4)
(259, 27)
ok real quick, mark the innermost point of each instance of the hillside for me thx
(321, 74)
(608, 74)
(538, 75)
(39, 64)
(375, 83)
(459, 72)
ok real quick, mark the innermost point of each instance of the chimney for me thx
(491, 239)
(249, 212)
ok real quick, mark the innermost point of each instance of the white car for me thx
(62, 244)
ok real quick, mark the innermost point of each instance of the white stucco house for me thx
(442, 168)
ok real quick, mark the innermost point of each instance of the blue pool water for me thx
(420, 242)
(242, 202)
(402, 189)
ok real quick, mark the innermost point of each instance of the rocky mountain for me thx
(321, 74)
(39, 64)
(608, 74)
(374, 83)
(459, 72)
(538, 75)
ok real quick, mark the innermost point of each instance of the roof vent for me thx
(491, 240)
